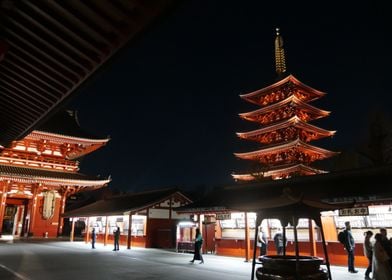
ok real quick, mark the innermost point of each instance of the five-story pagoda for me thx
(285, 132)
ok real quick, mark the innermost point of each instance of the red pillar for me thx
(33, 207)
(247, 238)
(63, 199)
(71, 237)
(3, 199)
(105, 239)
(87, 237)
(313, 250)
(129, 237)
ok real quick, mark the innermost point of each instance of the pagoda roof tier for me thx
(305, 111)
(293, 151)
(282, 89)
(286, 129)
(280, 172)
(46, 177)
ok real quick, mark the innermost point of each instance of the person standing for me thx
(93, 237)
(350, 247)
(381, 267)
(368, 251)
(116, 239)
(262, 241)
(197, 255)
(386, 244)
(279, 242)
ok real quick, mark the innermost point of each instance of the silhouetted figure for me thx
(279, 242)
(117, 239)
(262, 241)
(386, 244)
(381, 267)
(198, 244)
(350, 246)
(93, 237)
(368, 251)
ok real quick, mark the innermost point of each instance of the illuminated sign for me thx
(356, 211)
(225, 216)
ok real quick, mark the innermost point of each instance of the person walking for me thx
(350, 247)
(381, 267)
(197, 255)
(368, 251)
(262, 241)
(116, 239)
(93, 237)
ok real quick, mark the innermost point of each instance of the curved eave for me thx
(278, 171)
(48, 177)
(54, 181)
(85, 151)
(282, 147)
(60, 138)
(293, 121)
(287, 79)
(303, 105)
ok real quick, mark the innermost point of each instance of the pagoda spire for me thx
(280, 61)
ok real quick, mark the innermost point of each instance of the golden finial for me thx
(280, 61)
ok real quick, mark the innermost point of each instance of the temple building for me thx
(39, 172)
(285, 134)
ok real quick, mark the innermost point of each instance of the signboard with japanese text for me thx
(223, 216)
(356, 211)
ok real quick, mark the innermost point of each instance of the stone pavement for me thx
(53, 259)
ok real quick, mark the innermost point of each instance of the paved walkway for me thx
(40, 260)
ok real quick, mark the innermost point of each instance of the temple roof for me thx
(253, 96)
(297, 144)
(291, 122)
(36, 175)
(122, 204)
(292, 100)
(66, 123)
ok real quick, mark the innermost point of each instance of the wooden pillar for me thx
(105, 239)
(71, 237)
(318, 221)
(63, 199)
(313, 249)
(146, 229)
(284, 239)
(3, 200)
(129, 237)
(247, 239)
(170, 208)
(258, 222)
(297, 266)
(87, 237)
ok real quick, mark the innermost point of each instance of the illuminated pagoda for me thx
(285, 132)
(39, 172)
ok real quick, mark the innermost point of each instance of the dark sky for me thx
(170, 100)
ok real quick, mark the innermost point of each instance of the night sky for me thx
(170, 101)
